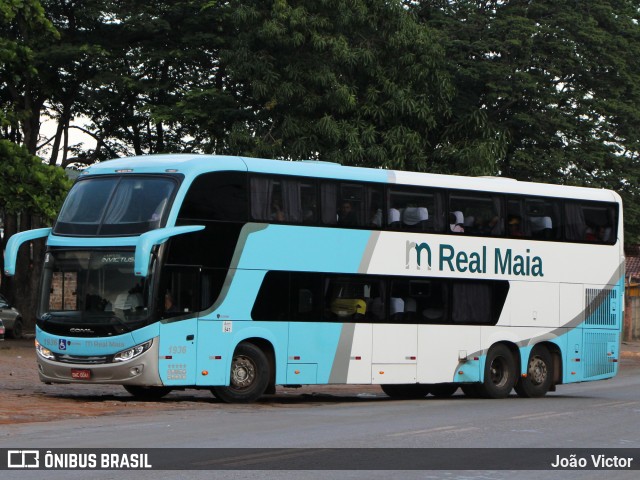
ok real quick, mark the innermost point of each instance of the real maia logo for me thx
(500, 261)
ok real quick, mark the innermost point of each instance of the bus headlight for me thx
(132, 352)
(44, 352)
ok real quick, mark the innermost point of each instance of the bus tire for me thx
(499, 373)
(406, 391)
(147, 393)
(539, 376)
(250, 373)
(443, 390)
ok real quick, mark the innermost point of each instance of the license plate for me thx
(81, 374)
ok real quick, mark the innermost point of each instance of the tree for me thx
(24, 30)
(354, 82)
(31, 194)
(555, 87)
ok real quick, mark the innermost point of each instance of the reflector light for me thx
(381, 373)
(297, 372)
(205, 373)
(358, 358)
(218, 357)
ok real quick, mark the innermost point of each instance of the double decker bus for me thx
(239, 274)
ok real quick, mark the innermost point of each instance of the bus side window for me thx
(480, 213)
(543, 216)
(354, 299)
(180, 286)
(415, 209)
(216, 196)
(272, 302)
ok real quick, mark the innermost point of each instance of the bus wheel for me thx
(539, 374)
(250, 375)
(499, 373)
(443, 390)
(147, 393)
(406, 391)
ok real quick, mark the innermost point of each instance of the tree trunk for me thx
(22, 289)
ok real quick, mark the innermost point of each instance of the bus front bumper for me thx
(141, 370)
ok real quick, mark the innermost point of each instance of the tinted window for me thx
(272, 302)
(420, 301)
(355, 298)
(415, 209)
(542, 218)
(216, 196)
(590, 222)
(301, 296)
(283, 200)
(476, 214)
(352, 205)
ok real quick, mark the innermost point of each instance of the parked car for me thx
(11, 318)
(1, 330)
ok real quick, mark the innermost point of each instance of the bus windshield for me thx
(113, 206)
(95, 288)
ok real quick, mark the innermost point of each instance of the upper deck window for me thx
(111, 206)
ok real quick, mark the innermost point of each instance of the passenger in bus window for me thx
(590, 235)
(277, 213)
(169, 305)
(376, 218)
(456, 222)
(346, 215)
(604, 233)
(515, 229)
(393, 218)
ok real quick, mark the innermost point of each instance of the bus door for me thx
(178, 310)
(330, 337)
(395, 342)
(395, 353)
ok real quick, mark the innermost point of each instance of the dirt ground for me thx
(24, 399)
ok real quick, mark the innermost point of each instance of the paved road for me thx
(595, 415)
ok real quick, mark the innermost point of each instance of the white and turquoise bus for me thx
(240, 274)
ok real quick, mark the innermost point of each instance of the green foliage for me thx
(553, 87)
(543, 91)
(355, 82)
(29, 186)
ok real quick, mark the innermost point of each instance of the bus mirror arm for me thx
(148, 240)
(14, 243)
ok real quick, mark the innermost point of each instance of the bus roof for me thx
(192, 165)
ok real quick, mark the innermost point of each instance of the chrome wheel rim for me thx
(537, 371)
(243, 372)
